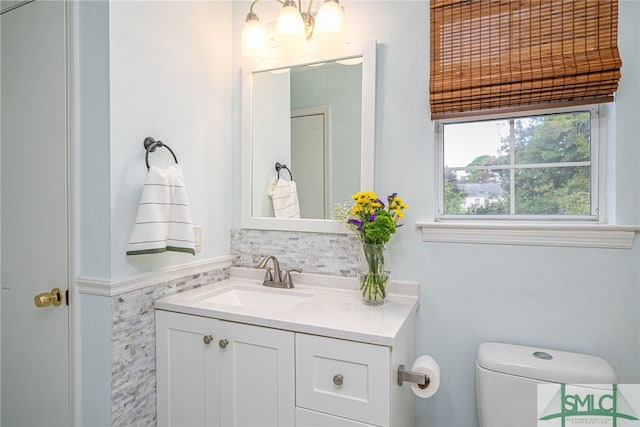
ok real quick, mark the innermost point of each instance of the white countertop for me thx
(331, 306)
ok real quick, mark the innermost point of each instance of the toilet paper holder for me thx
(413, 377)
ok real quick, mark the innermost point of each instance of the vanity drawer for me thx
(308, 418)
(343, 378)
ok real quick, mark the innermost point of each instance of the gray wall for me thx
(583, 300)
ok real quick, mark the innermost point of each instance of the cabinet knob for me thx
(207, 339)
(223, 343)
(337, 379)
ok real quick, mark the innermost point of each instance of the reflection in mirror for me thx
(317, 118)
(316, 132)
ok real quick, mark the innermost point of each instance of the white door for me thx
(310, 161)
(34, 251)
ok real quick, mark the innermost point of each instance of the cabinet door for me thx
(257, 376)
(187, 370)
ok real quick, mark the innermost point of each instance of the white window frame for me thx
(593, 163)
(568, 231)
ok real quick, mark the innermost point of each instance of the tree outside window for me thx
(538, 166)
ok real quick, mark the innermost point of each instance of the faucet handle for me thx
(287, 276)
(268, 275)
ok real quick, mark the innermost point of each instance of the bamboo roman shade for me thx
(499, 54)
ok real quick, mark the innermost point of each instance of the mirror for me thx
(317, 118)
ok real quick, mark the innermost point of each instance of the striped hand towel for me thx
(163, 222)
(285, 198)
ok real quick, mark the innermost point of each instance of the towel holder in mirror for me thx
(150, 145)
(282, 166)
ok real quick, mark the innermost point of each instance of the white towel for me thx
(285, 198)
(163, 222)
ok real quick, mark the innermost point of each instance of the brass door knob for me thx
(45, 299)
(223, 343)
(207, 339)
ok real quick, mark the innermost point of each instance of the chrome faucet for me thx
(274, 278)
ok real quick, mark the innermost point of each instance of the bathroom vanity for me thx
(237, 353)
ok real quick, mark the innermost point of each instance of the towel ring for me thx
(150, 144)
(283, 166)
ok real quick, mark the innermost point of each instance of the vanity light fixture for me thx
(293, 27)
(330, 21)
(254, 35)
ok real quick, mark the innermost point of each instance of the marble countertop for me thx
(329, 306)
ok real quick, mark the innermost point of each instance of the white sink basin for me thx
(264, 298)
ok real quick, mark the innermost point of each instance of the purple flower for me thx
(393, 196)
(381, 203)
(372, 217)
(355, 222)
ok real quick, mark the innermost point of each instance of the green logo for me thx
(585, 405)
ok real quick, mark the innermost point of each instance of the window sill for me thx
(567, 235)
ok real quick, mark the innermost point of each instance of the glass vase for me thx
(372, 274)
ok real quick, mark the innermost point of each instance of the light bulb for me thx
(254, 37)
(330, 20)
(350, 61)
(290, 26)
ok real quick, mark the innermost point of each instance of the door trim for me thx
(325, 111)
(15, 5)
(72, 118)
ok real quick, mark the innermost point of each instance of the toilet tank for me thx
(507, 377)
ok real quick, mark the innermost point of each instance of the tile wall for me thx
(133, 383)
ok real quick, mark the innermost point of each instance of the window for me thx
(536, 166)
(507, 82)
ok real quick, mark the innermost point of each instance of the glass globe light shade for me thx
(290, 27)
(254, 38)
(330, 19)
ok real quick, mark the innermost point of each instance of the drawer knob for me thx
(207, 339)
(337, 379)
(223, 343)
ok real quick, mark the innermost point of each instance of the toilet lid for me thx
(545, 364)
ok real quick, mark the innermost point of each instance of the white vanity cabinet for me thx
(212, 372)
(321, 358)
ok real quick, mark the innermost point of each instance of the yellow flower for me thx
(367, 209)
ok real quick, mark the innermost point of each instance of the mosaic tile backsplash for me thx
(320, 253)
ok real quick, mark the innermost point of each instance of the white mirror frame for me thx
(367, 144)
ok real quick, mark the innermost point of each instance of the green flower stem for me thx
(374, 286)
(374, 281)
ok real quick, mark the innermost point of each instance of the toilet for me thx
(507, 377)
